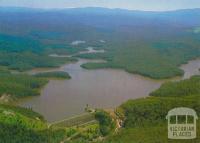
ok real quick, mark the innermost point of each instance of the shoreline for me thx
(68, 66)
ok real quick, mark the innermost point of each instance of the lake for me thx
(104, 88)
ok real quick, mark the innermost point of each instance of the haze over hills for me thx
(98, 17)
(161, 34)
(14, 19)
(177, 15)
(152, 44)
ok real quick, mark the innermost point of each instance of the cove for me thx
(104, 88)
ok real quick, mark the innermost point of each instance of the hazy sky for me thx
(153, 5)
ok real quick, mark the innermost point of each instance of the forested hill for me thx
(176, 14)
(153, 44)
(101, 18)
(98, 17)
(145, 119)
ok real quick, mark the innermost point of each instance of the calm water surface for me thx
(191, 68)
(105, 88)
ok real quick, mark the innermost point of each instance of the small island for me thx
(54, 75)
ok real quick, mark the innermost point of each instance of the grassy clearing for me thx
(75, 121)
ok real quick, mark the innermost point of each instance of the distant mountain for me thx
(189, 17)
(101, 10)
(142, 42)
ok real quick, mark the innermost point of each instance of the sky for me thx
(147, 5)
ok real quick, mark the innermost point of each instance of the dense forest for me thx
(153, 59)
(153, 44)
(18, 85)
(24, 125)
(54, 75)
(26, 43)
(19, 125)
(143, 120)
(19, 53)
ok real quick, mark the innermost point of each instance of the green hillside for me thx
(19, 85)
(154, 59)
(144, 119)
(137, 45)
(19, 125)
(152, 44)
(19, 53)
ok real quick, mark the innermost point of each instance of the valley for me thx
(102, 88)
(96, 75)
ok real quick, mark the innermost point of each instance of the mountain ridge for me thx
(94, 8)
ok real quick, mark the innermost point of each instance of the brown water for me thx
(105, 88)
(191, 68)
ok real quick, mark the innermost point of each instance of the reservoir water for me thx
(104, 88)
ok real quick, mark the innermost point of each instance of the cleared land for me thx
(80, 120)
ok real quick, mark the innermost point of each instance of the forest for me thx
(143, 120)
(155, 59)
(152, 44)
(129, 44)
(19, 85)
(18, 53)
(53, 75)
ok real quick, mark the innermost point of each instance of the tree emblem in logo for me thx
(182, 123)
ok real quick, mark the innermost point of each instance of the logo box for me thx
(182, 123)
